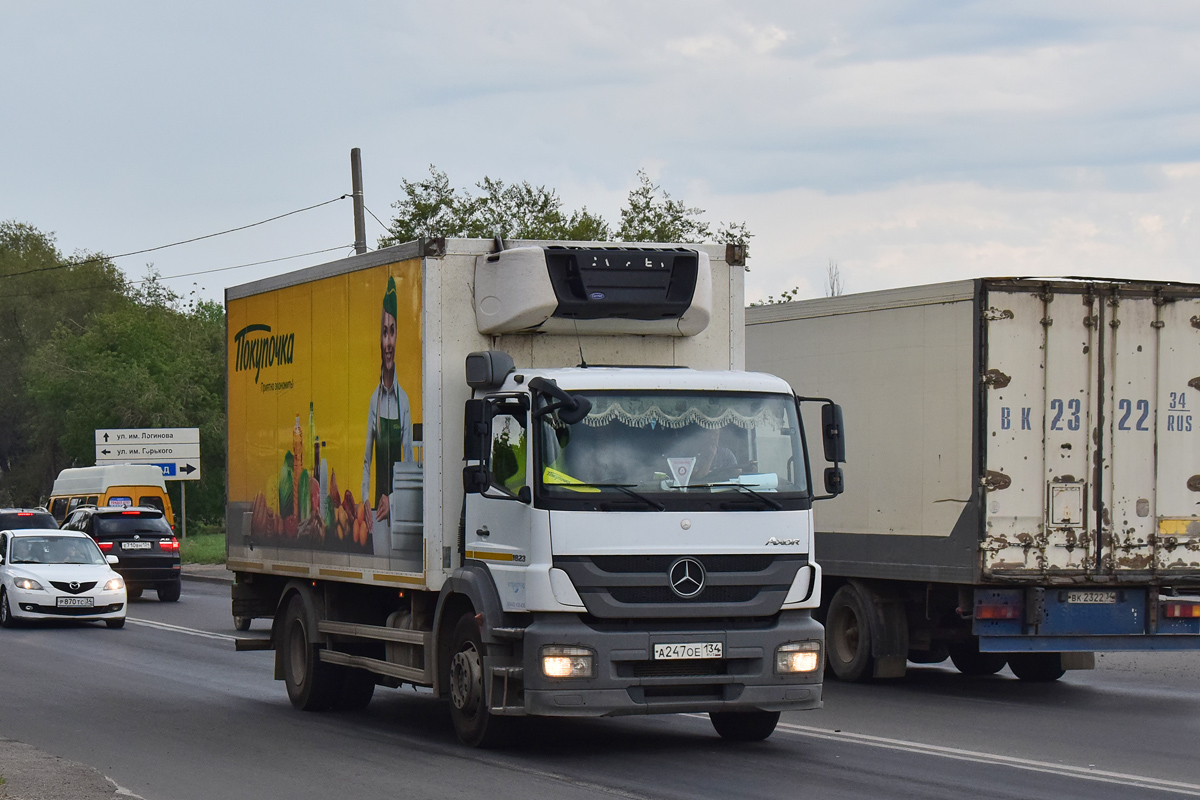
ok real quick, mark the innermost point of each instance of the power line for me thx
(377, 219)
(96, 259)
(173, 277)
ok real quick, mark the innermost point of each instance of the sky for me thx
(905, 142)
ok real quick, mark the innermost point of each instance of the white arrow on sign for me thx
(148, 436)
(154, 452)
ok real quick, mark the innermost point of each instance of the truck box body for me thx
(1024, 433)
(312, 337)
(514, 522)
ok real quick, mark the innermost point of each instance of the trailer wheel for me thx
(473, 722)
(969, 661)
(1037, 667)
(312, 685)
(848, 636)
(744, 726)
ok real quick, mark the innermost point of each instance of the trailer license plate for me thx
(1091, 597)
(135, 545)
(688, 650)
(75, 602)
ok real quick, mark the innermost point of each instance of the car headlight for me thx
(564, 661)
(796, 657)
(114, 584)
(27, 583)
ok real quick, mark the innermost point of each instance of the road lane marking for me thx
(958, 754)
(180, 629)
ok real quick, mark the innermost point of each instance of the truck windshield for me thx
(674, 450)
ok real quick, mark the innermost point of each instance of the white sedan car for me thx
(53, 574)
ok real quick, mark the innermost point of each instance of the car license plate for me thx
(688, 650)
(75, 602)
(135, 545)
(1093, 598)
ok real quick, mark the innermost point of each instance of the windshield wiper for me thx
(624, 487)
(775, 504)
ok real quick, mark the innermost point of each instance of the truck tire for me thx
(848, 636)
(169, 592)
(312, 684)
(969, 661)
(1036, 667)
(744, 726)
(356, 691)
(475, 725)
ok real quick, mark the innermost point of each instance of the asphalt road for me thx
(169, 711)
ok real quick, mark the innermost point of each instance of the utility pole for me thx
(360, 221)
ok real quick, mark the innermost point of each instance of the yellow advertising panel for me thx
(325, 444)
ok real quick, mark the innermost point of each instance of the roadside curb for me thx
(207, 573)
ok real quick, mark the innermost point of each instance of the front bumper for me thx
(34, 605)
(627, 680)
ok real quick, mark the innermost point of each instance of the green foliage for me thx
(202, 548)
(152, 360)
(40, 291)
(432, 207)
(784, 297)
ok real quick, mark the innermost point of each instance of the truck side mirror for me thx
(834, 481)
(832, 435)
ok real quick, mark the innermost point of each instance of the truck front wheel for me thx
(312, 684)
(1038, 667)
(473, 722)
(848, 636)
(744, 726)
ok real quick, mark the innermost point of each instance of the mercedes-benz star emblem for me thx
(687, 577)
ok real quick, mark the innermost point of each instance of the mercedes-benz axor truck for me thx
(531, 476)
(1023, 483)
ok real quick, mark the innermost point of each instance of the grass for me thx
(203, 549)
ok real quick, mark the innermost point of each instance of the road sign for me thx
(176, 451)
(154, 452)
(186, 469)
(148, 436)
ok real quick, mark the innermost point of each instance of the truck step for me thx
(411, 674)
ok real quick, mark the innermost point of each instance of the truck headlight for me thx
(565, 661)
(796, 657)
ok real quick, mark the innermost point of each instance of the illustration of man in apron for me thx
(389, 421)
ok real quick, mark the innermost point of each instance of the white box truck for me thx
(1023, 477)
(532, 476)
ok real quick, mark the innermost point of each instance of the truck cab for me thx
(648, 532)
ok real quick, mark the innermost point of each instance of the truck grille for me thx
(640, 586)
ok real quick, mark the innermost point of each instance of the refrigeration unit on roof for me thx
(564, 290)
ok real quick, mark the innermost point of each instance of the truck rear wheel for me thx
(848, 636)
(969, 661)
(473, 722)
(744, 726)
(1037, 667)
(312, 685)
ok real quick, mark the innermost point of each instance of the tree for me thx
(834, 285)
(152, 361)
(432, 207)
(40, 291)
